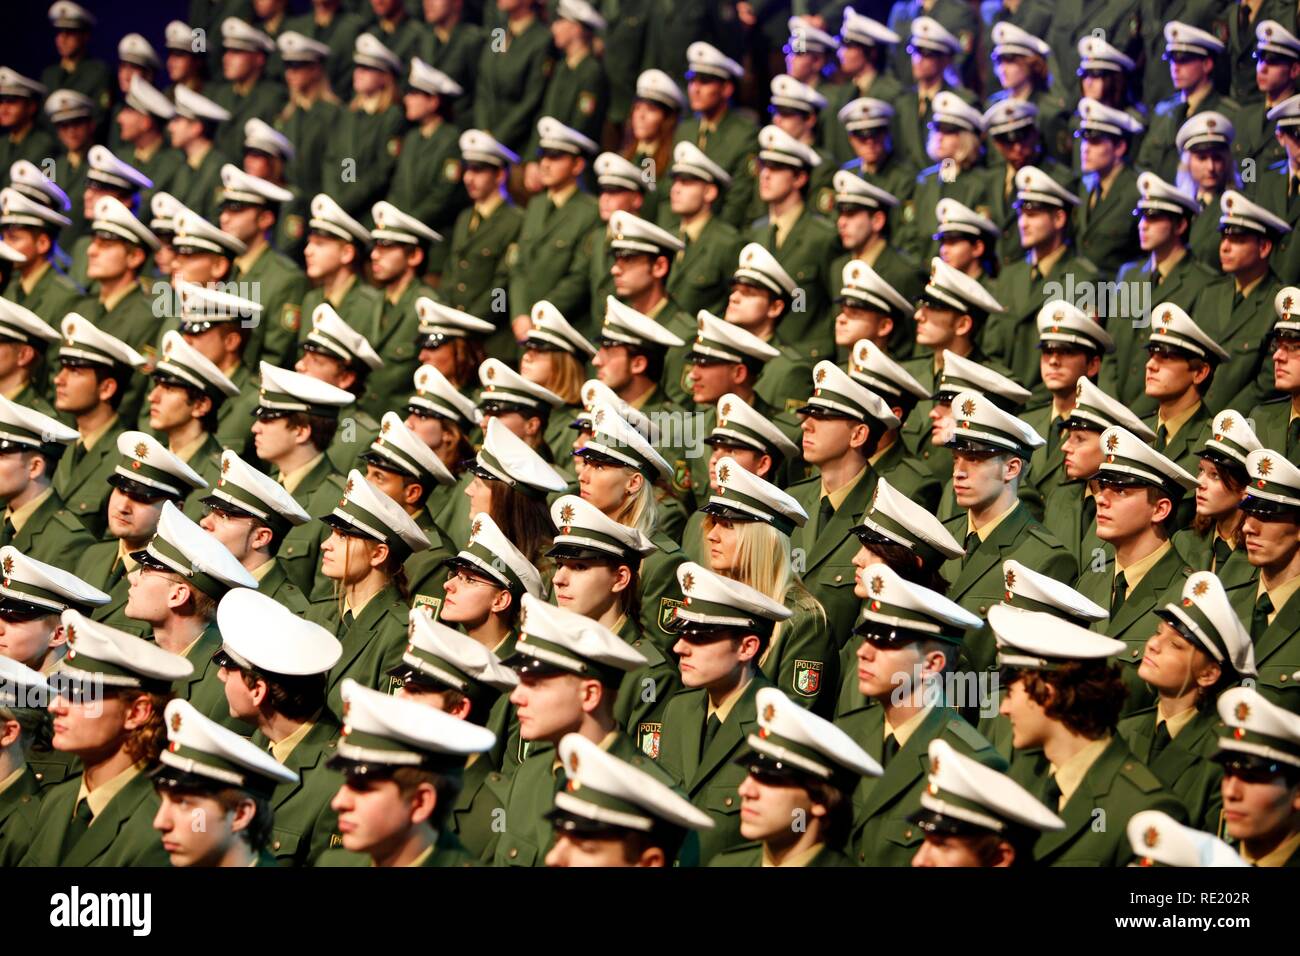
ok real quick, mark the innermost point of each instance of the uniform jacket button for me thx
(513, 853)
(839, 578)
(289, 550)
(728, 802)
(460, 287)
(983, 609)
(1283, 677)
(275, 845)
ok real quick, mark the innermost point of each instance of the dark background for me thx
(27, 43)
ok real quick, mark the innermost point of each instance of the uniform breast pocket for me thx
(724, 800)
(837, 576)
(520, 853)
(701, 279)
(901, 832)
(284, 845)
(1277, 682)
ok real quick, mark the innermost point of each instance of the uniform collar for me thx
(1071, 773)
(102, 795)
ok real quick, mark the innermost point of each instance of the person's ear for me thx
(1013, 467)
(260, 538)
(637, 364)
(652, 856)
(934, 662)
(138, 712)
(244, 813)
(634, 482)
(135, 259)
(10, 732)
(411, 493)
(258, 692)
(859, 435)
(1094, 367)
(379, 555)
(622, 579)
(220, 268)
(265, 220)
(1265, 248)
(60, 637)
(347, 378)
(964, 324)
(1006, 854)
(462, 709)
(348, 254)
(748, 649)
(422, 803)
(885, 328)
(201, 407)
(501, 603)
(1210, 675)
(659, 268)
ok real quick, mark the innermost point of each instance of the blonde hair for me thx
(969, 149)
(567, 379)
(762, 557)
(639, 511)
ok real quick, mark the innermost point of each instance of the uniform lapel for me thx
(1077, 812)
(1284, 627)
(103, 831)
(846, 516)
(989, 552)
(1143, 598)
(730, 735)
(907, 765)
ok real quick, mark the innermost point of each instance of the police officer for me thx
(36, 519)
(23, 717)
(336, 243)
(701, 270)
(1258, 755)
(193, 129)
(209, 770)
(273, 664)
(247, 91)
(31, 227)
(1272, 419)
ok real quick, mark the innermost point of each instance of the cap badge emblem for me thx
(1112, 442)
(176, 722)
(688, 581)
(1241, 711)
(877, 584)
(1200, 587)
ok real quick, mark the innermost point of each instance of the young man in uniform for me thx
(1105, 234)
(1137, 492)
(843, 421)
(336, 246)
(212, 774)
(725, 137)
(721, 634)
(197, 184)
(250, 513)
(1064, 696)
(1182, 363)
(144, 476)
(96, 369)
(991, 451)
(183, 572)
(36, 519)
(273, 664)
(32, 228)
(702, 270)
(402, 766)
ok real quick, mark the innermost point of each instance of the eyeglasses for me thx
(461, 576)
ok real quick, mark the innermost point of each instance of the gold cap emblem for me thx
(1200, 588)
(1112, 442)
(688, 581)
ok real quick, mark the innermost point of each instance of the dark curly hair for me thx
(1087, 698)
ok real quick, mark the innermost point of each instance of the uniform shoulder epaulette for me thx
(68, 520)
(1043, 535)
(654, 657)
(968, 735)
(1140, 776)
(956, 521)
(736, 854)
(1278, 167)
(1277, 401)
(1167, 106)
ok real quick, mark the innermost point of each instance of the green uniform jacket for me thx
(52, 297)
(235, 416)
(660, 593)
(277, 586)
(1047, 464)
(362, 307)
(425, 570)
(711, 778)
(204, 689)
(639, 717)
(911, 126)
(784, 384)
(971, 188)
(802, 658)
(528, 834)
(810, 247)
(510, 84)
(35, 146)
(1154, 14)
(51, 533)
(264, 100)
(827, 552)
(299, 554)
(98, 566)
(1118, 785)
(1012, 336)
(72, 179)
(122, 834)
(908, 476)
(1072, 520)
(81, 478)
(577, 96)
(388, 385)
(89, 76)
(977, 581)
(1241, 48)
(426, 184)
(310, 131)
(282, 287)
(552, 257)
(733, 146)
(1270, 191)
(360, 157)
(357, 431)
(1197, 551)
(1159, 152)
(1002, 196)
(751, 854)
(701, 275)
(305, 826)
(1273, 427)
(478, 808)
(1187, 441)
(1277, 649)
(206, 460)
(372, 644)
(1184, 765)
(881, 834)
(1255, 139)
(1136, 619)
(200, 189)
(1203, 237)
(907, 277)
(1243, 329)
(20, 808)
(896, 175)
(458, 58)
(1106, 235)
(476, 263)
(1123, 373)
